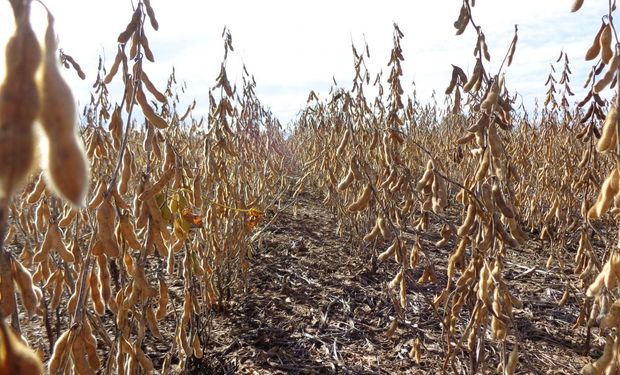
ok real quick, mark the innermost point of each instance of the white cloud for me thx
(293, 47)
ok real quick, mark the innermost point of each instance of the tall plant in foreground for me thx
(22, 101)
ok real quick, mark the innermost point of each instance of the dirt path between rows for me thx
(314, 306)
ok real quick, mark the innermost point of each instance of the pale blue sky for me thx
(292, 47)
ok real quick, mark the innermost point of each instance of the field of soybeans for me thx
(376, 235)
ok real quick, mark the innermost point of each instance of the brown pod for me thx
(576, 5)
(385, 232)
(163, 300)
(607, 142)
(513, 47)
(78, 354)
(595, 48)
(106, 215)
(609, 76)
(60, 351)
(427, 178)
(132, 26)
(463, 20)
(128, 232)
(152, 323)
(598, 367)
(141, 283)
(500, 202)
(157, 218)
(481, 124)
(68, 218)
(151, 87)
(452, 84)
(39, 188)
(391, 178)
(23, 280)
(491, 98)
(170, 156)
(151, 14)
(123, 183)
(495, 143)
(344, 142)
(159, 185)
(475, 78)
(362, 201)
(144, 360)
(149, 113)
(90, 345)
(197, 192)
(77, 251)
(57, 243)
(58, 280)
(457, 102)
(128, 262)
(67, 170)
(19, 106)
(198, 353)
(93, 144)
(97, 196)
(346, 181)
(158, 241)
(144, 42)
(391, 250)
(484, 47)
(116, 128)
(114, 68)
(445, 233)
(42, 216)
(355, 168)
(15, 356)
(608, 190)
(375, 232)
(135, 43)
(469, 220)
(103, 275)
(118, 200)
(440, 194)
(483, 167)
(95, 293)
(605, 42)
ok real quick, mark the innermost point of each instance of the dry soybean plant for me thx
(381, 151)
(24, 100)
(602, 290)
(146, 232)
(390, 181)
(105, 228)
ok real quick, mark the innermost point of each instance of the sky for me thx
(292, 47)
